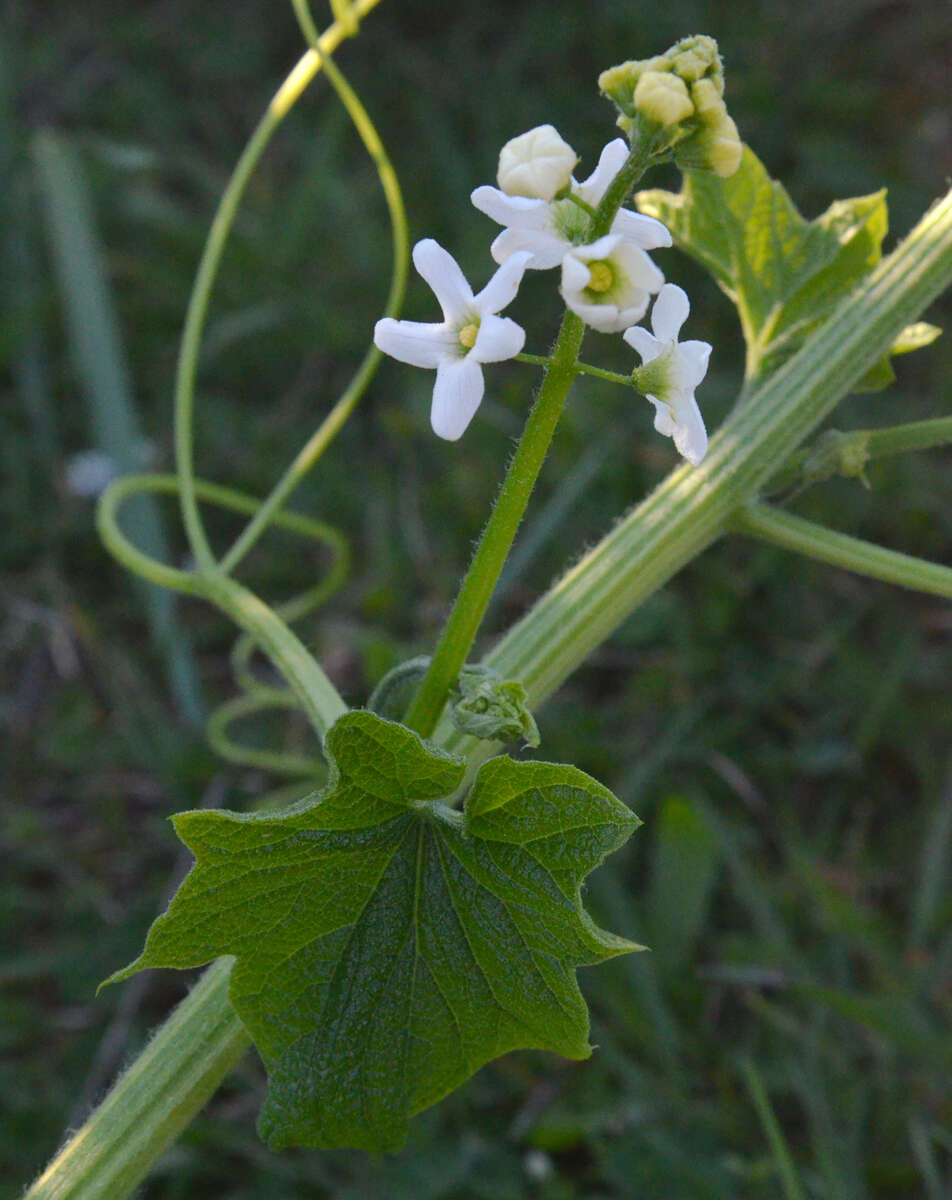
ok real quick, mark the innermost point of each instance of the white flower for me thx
(671, 372)
(550, 229)
(609, 283)
(469, 335)
(536, 164)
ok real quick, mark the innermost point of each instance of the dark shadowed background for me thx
(783, 728)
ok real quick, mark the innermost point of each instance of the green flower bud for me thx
(672, 105)
(707, 99)
(715, 147)
(663, 98)
(695, 58)
(619, 83)
(725, 149)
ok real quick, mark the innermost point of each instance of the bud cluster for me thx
(674, 103)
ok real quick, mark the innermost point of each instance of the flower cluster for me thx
(546, 216)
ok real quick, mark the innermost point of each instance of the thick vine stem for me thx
(156, 1098)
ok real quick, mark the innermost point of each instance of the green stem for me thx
(192, 335)
(608, 376)
(286, 96)
(149, 1106)
(476, 591)
(317, 695)
(542, 360)
(618, 192)
(294, 609)
(916, 435)
(782, 528)
(477, 588)
(831, 453)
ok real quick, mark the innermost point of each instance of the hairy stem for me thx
(476, 591)
(156, 1098)
(784, 529)
(474, 595)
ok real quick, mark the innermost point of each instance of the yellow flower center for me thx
(467, 336)
(600, 276)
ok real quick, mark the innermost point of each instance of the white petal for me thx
(690, 436)
(663, 420)
(636, 267)
(610, 163)
(501, 289)
(456, 396)
(442, 272)
(499, 338)
(693, 359)
(415, 342)
(547, 249)
(596, 251)
(606, 318)
(644, 231)
(575, 273)
(642, 341)
(518, 211)
(670, 312)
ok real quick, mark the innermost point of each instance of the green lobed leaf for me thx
(388, 946)
(785, 274)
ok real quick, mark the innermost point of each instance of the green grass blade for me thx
(100, 365)
(785, 1168)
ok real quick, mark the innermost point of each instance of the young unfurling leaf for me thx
(388, 946)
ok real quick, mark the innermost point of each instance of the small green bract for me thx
(388, 946)
(487, 706)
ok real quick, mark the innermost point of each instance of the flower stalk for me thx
(471, 603)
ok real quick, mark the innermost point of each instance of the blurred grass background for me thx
(784, 729)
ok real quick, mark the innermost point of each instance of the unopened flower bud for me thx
(725, 148)
(696, 58)
(663, 98)
(537, 164)
(619, 83)
(707, 99)
(691, 65)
